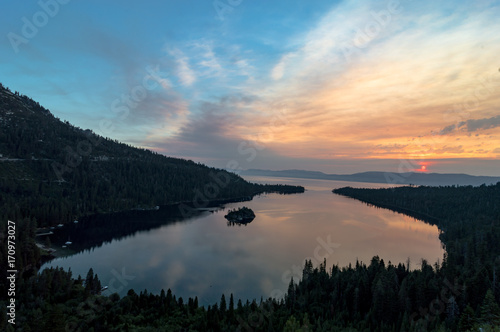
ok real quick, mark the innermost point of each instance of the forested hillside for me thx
(55, 172)
(52, 172)
(461, 293)
(469, 218)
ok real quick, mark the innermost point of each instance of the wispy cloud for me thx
(358, 84)
(208, 61)
(184, 72)
(447, 129)
(279, 70)
(478, 124)
(471, 125)
(398, 85)
(214, 124)
(354, 80)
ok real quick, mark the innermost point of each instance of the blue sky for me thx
(332, 86)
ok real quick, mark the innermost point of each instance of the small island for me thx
(242, 215)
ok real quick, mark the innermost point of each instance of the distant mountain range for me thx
(420, 178)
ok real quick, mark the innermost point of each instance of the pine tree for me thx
(96, 285)
(89, 281)
(55, 320)
(223, 304)
(292, 325)
(490, 311)
(467, 319)
(231, 307)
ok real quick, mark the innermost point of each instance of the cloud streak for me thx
(395, 85)
(184, 72)
(351, 81)
(480, 124)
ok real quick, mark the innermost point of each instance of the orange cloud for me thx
(391, 102)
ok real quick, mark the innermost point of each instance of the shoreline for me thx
(56, 251)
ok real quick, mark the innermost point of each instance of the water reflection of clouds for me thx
(269, 216)
(205, 258)
(400, 221)
(370, 227)
(155, 260)
(174, 272)
(388, 223)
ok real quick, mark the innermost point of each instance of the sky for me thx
(332, 86)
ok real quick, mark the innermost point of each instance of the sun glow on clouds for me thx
(363, 85)
(402, 88)
(324, 81)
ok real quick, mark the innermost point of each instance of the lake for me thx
(203, 256)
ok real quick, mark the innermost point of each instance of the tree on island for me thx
(241, 215)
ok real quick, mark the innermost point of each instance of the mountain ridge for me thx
(414, 178)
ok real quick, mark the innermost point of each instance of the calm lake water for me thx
(204, 257)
